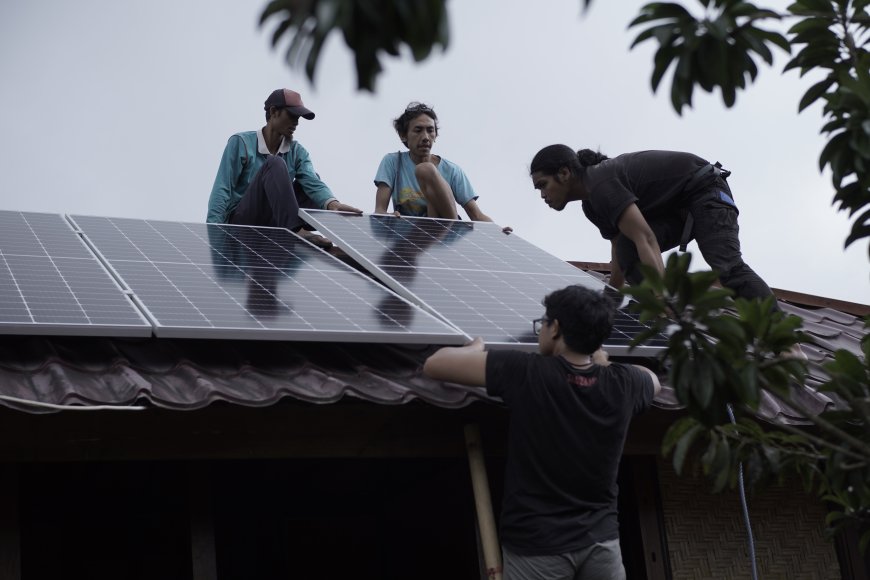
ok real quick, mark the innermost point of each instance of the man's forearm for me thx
(650, 255)
(458, 364)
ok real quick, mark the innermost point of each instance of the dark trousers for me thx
(270, 199)
(716, 231)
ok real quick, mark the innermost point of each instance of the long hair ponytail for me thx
(552, 158)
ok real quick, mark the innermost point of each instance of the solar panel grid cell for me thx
(223, 281)
(484, 282)
(50, 283)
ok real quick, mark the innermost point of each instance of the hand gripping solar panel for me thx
(484, 282)
(51, 283)
(241, 282)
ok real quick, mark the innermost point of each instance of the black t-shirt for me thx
(566, 435)
(654, 180)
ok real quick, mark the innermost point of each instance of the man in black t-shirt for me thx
(570, 411)
(647, 202)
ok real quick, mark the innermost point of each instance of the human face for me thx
(284, 122)
(421, 136)
(555, 189)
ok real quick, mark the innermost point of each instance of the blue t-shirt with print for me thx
(405, 190)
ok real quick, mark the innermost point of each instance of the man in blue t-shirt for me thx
(418, 182)
(255, 180)
(570, 412)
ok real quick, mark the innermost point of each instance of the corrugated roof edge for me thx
(191, 374)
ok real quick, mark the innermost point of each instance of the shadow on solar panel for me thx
(482, 281)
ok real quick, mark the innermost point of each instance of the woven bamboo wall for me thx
(706, 537)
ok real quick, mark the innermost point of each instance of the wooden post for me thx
(203, 556)
(10, 529)
(483, 503)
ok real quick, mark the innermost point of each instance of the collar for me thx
(261, 144)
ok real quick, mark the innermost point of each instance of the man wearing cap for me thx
(255, 180)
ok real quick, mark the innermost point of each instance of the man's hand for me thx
(476, 345)
(336, 205)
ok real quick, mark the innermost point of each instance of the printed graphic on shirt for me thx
(581, 381)
(412, 202)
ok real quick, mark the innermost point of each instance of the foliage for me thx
(721, 359)
(714, 51)
(834, 38)
(370, 28)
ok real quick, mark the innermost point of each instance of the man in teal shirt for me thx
(255, 180)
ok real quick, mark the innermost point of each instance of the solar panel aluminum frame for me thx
(311, 216)
(89, 329)
(162, 330)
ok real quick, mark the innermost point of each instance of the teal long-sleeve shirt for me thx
(243, 157)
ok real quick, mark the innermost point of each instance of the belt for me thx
(702, 174)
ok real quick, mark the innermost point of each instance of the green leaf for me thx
(814, 93)
(702, 384)
(833, 516)
(683, 446)
(721, 465)
(813, 6)
(661, 62)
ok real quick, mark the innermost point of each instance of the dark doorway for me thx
(384, 519)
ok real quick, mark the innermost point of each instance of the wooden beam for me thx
(10, 529)
(202, 547)
(853, 564)
(483, 503)
(644, 471)
(287, 429)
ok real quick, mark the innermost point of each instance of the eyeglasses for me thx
(538, 324)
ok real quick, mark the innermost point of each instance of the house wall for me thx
(706, 537)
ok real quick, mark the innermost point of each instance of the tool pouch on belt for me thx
(706, 173)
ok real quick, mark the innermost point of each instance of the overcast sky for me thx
(123, 109)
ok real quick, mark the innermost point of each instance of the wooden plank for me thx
(10, 529)
(853, 565)
(644, 471)
(202, 545)
(288, 429)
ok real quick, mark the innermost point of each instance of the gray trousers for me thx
(601, 561)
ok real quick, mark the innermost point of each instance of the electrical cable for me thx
(746, 522)
(40, 404)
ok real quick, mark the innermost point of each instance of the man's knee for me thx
(273, 163)
(603, 560)
(426, 172)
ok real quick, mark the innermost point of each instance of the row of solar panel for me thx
(447, 280)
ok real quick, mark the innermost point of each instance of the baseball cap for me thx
(287, 99)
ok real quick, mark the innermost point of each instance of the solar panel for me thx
(51, 283)
(482, 281)
(225, 281)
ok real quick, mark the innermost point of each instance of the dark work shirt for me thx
(567, 431)
(654, 180)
